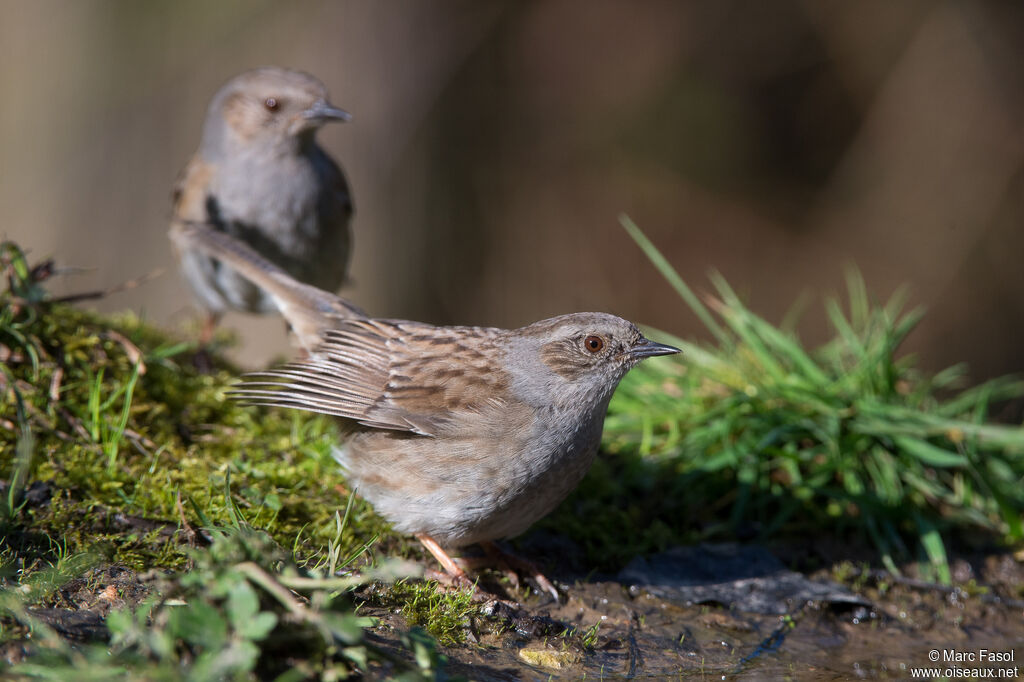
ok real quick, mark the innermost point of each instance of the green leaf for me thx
(929, 454)
(258, 627)
(347, 626)
(272, 501)
(119, 623)
(199, 624)
(242, 605)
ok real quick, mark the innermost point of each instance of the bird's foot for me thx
(513, 565)
(509, 564)
(454, 577)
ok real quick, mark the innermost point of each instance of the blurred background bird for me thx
(260, 176)
(499, 141)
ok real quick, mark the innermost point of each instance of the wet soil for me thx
(871, 627)
(646, 623)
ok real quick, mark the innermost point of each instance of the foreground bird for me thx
(260, 176)
(457, 435)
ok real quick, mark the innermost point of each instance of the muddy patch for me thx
(775, 625)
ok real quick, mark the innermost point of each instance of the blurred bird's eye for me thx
(270, 103)
(593, 343)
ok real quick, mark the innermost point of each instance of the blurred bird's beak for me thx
(649, 349)
(322, 112)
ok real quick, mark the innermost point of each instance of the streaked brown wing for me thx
(389, 374)
(189, 194)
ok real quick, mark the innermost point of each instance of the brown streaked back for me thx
(390, 374)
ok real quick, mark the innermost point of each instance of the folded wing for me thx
(388, 374)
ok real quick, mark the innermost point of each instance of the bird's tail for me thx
(307, 309)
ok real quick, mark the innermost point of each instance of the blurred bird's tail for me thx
(307, 309)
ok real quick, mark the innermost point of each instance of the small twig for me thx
(282, 594)
(103, 293)
(38, 420)
(9, 356)
(141, 440)
(55, 381)
(130, 349)
(34, 413)
(296, 582)
(42, 271)
(186, 527)
(75, 422)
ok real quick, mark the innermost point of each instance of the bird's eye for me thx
(594, 344)
(270, 103)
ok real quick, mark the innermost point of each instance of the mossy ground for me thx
(183, 448)
(132, 486)
(119, 456)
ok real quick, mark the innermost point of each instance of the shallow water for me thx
(643, 635)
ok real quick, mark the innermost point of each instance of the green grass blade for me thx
(929, 454)
(673, 278)
(113, 441)
(931, 540)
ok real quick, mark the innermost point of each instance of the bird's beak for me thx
(649, 349)
(323, 111)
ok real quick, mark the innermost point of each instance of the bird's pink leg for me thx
(210, 320)
(458, 576)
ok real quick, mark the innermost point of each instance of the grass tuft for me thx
(759, 436)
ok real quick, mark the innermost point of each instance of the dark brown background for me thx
(494, 144)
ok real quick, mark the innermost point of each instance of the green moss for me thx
(445, 614)
(117, 452)
(107, 459)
